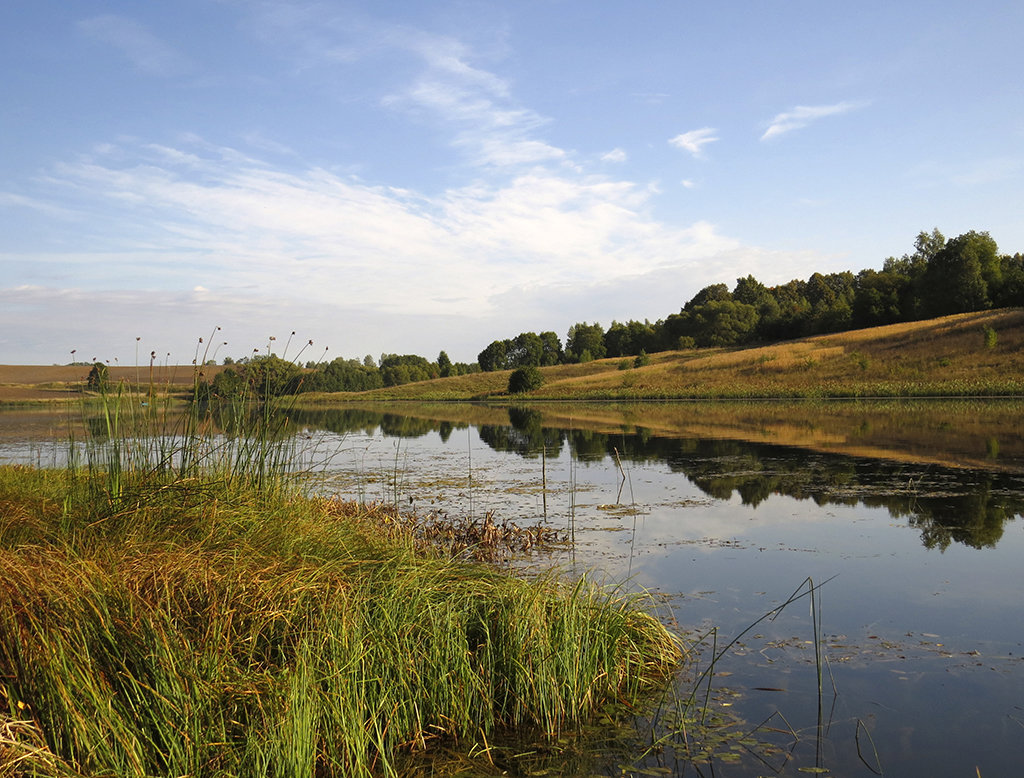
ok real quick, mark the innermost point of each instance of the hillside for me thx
(947, 357)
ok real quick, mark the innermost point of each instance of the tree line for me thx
(268, 375)
(940, 277)
(965, 273)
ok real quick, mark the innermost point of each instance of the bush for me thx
(991, 338)
(98, 379)
(524, 379)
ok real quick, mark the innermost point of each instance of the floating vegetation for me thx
(481, 539)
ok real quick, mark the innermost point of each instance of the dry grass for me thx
(941, 357)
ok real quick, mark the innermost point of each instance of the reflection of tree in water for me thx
(945, 504)
(345, 420)
(974, 519)
(525, 436)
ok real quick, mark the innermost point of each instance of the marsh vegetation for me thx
(176, 601)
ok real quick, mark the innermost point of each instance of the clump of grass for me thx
(205, 627)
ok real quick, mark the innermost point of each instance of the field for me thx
(60, 383)
(945, 357)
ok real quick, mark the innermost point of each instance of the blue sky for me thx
(416, 176)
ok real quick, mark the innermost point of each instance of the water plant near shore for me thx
(185, 610)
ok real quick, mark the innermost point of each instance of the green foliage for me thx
(585, 338)
(958, 275)
(642, 359)
(991, 338)
(722, 322)
(494, 356)
(527, 348)
(444, 365)
(525, 379)
(279, 636)
(940, 277)
(99, 377)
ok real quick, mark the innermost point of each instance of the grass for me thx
(164, 613)
(968, 355)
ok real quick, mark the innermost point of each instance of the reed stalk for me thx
(176, 606)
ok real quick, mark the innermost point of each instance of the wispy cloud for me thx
(145, 50)
(615, 155)
(694, 141)
(802, 115)
(163, 221)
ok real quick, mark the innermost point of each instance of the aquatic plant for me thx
(212, 630)
(174, 603)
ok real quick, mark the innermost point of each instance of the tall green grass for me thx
(175, 606)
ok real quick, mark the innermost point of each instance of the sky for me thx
(411, 177)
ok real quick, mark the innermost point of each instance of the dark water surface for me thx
(916, 531)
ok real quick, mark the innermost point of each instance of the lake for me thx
(906, 515)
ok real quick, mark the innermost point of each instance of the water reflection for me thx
(947, 505)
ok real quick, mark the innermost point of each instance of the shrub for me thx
(641, 359)
(524, 379)
(991, 338)
(98, 377)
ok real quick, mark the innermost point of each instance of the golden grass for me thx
(942, 357)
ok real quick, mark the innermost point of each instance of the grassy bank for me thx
(952, 356)
(192, 627)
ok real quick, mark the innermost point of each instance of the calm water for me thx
(922, 616)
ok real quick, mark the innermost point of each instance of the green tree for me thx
(955, 280)
(397, 369)
(551, 349)
(526, 349)
(525, 379)
(99, 377)
(444, 365)
(713, 292)
(878, 298)
(1011, 291)
(494, 356)
(585, 339)
(723, 323)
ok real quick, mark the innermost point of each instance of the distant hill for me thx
(970, 354)
(59, 383)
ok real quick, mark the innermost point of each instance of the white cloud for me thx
(189, 237)
(803, 115)
(687, 183)
(146, 51)
(694, 141)
(615, 155)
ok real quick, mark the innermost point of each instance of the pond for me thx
(904, 516)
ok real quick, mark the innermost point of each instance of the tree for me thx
(397, 369)
(878, 298)
(525, 379)
(526, 349)
(99, 377)
(551, 349)
(585, 340)
(723, 323)
(444, 365)
(955, 280)
(752, 292)
(493, 357)
(709, 293)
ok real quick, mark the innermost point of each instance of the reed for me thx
(201, 625)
